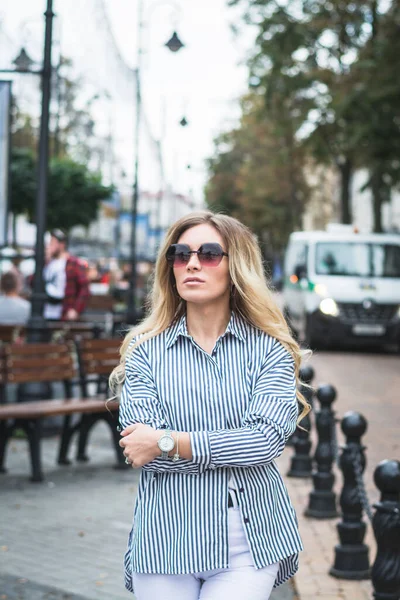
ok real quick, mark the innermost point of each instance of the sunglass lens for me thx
(178, 255)
(210, 254)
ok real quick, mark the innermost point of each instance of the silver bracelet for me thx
(176, 456)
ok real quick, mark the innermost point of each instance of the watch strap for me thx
(165, 453)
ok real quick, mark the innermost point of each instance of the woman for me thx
(208, 402)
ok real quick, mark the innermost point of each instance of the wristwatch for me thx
(166, 443)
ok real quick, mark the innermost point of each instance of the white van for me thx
(341, 287)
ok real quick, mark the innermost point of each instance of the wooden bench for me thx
(9, 333)
(74, 330)
(25, 363)
(96, 359)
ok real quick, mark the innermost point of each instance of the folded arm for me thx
(140, 404)
(266, 426)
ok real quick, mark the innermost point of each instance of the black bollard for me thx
(322, 500)
(351, 554)
(301, 463)
(385, 572)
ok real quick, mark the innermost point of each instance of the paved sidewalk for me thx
(65, 539)
(18, 588)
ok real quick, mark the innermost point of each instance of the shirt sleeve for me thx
(83, 292)
(266, 426)
(140, 403)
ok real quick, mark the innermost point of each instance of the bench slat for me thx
(41, 375)
(33, 363)
(101, 344)
(38, 349)
(51, 408)
(99, 369)
(100, 357)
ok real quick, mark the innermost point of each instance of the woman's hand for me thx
(140, 444)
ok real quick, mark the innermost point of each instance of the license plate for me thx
(361, 329)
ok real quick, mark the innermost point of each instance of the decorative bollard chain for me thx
(301, 463)
(351, 554)
(322, 500)
(385, 572)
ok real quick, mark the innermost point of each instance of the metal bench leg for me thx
(121, 464)
(34, 432)
(66, 437)
(5, 434)
(85, 425)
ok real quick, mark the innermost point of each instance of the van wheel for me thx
(311, 340)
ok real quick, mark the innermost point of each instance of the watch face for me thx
(166, 444)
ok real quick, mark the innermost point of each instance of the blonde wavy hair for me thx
(252, 299)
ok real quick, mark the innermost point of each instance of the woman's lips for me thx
(193, 281)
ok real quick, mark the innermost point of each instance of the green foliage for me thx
(74, 194)
(256, 175)
(23, 180)
(333, 68)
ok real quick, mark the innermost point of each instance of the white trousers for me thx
(241, 580)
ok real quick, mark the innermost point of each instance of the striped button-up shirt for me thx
(239, 406)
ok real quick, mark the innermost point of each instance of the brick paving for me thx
(368, 384)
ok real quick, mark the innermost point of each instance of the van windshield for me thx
(357, 259)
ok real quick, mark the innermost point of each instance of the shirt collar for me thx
(236, 327)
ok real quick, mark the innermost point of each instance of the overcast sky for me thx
(202, 82)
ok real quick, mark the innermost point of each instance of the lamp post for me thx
(174, 44)
(36, 323)
(23, 64)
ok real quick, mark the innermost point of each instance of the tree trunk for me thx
(346, 171)
(377, 188)
(14, 229)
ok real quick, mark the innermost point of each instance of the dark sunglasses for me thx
(209, 255)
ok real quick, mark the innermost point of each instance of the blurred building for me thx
(324, 205)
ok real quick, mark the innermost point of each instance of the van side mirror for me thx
(301, 272)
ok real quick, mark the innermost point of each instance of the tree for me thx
(377, 87)
(256, 175)
(23, 182)
(310, 47)
(74, 194)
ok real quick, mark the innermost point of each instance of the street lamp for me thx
(174, 44)
(23, 64)
(37, 323)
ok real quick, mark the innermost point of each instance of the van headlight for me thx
(329, 307)
(320, 289)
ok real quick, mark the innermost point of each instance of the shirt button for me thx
(246, 520)
(241, 490)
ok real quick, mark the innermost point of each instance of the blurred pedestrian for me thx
(208, 402)
(14, 310)
(66, 281)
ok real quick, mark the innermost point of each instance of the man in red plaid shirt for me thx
(66, 281)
